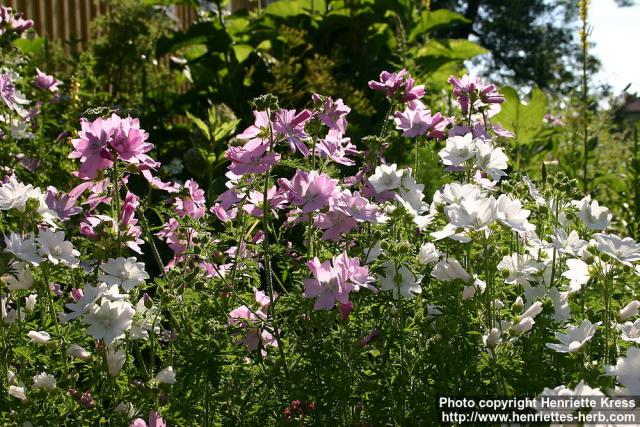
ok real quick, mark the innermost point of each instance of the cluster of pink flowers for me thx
(250, 321)
(102, 141)
(11, 22)
(471, 91)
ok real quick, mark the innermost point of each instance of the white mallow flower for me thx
(411, 193)
(109, 320)
(450, 269)
(533, 192)
(401, 281)
(630, 331)
(627, 371)
(428, 254)
(90, 294)
(7, 315)
(115, 360)
(386, 177)
(570, 244)
(458, 150)
(454, 193)
(39, 337)
(166, 376)
(475, 214)
(491, 160)
(576, 337)
(521, 268)
(17, 392)
(24, 248)
(44, 380)
(522, 327)
(594, 216)
(533, 310)
(492, 338)
(21, 277)
(146, 319)
(78, 352)
(30, 303)
(511, 214)
(126, 272)
(15, 195)
(470, 291)
(578, 274)
(56, 249)
(629, 310)
(624, 250)
(562, 310)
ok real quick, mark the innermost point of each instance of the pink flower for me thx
(327, 286)
(333, 113)
(62, 204)
(155, 420)
(251, 158)
(336, 147)
(260, 128)
(46, 82)
(334, 223)
(255, 201)
(417, 122)
(192, 204)
(389, 83)
(129, 141)
(412, 92)
(355, 206)
(309, 190)
(91, 147)
(13, 20)
(471, 91)
(291, 126)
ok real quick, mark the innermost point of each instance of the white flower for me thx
(44, 380)
(22, 278)
(570, 244)
(30, 303)
(24, 249)
(594, 216)
(511, 214)
(115, 360)
(575, 338)
(109, 320)
(624, 250)
(386, 177)
(627, 371)
(470, 291)
(78, 352)
(458, 149)
(491, 160)
(578, 274)
(454, 193)
(17, 392)
(39, 337)
(125, 272)
(630, 331)
(56, 249)
(146, 319)
(15, 195)
(450, 269)
(166, 376)
(428, 254)
(533, 310)
(629, 310)
(475, 214)
(522, 327)
(534, 193)
(521, 268)
(91, 294)
(562, 310)
(492, 338)
(401, 281)
(8, 316)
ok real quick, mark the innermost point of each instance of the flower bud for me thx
(629, 310)
(492, 339)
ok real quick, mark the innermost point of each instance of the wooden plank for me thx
(64, 23)
(50, 19)
(84, 24)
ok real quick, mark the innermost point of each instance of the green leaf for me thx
(242, 52)
(454, 49)
(526, 120)
(285, 9)
(433, 20)
(201, 125)
(30, 47)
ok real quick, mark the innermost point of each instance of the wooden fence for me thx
(66, 19)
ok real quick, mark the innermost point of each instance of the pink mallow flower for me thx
(46, 82)
(253, 157)
(155, 420)
(333, 280)
(192, 202)
(62, 204)
(471, 91)
(389, 83)
(333, 113)
(255, 336)
(309, 190)
(291, 126)
(336, 148)
(417, 122)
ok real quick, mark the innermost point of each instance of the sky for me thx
(616, 38)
